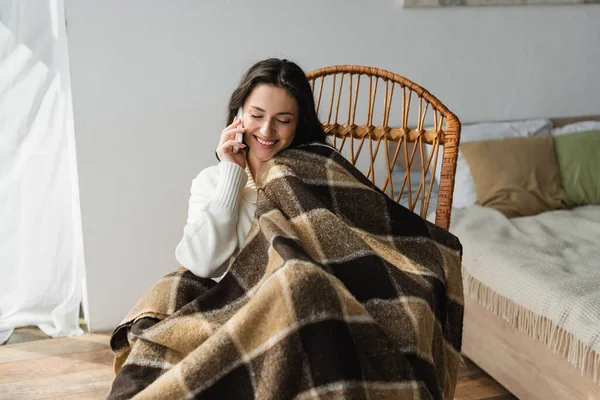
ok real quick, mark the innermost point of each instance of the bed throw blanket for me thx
(338, 292)
(539, 273)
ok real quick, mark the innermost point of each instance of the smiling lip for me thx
(265, 143)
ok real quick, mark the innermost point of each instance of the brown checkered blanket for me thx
(338, 292)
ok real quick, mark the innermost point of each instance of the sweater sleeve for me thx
(210, 235)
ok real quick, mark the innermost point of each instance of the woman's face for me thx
(270, 118)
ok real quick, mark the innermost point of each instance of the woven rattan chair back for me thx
(401, 122)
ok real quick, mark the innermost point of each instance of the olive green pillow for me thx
(517, 176)
(578, 156)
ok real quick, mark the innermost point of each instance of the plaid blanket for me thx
(338, 292)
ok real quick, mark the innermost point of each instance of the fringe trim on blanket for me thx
(538, 327)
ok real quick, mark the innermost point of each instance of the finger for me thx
(236, 121)
(232, 129)
(230, 144)
(238, 129)
(230, 133)
(233, 125)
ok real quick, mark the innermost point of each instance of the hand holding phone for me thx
(231, 143)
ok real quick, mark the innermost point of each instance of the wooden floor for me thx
(474, 384)
(33, 366)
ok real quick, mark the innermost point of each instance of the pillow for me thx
(578, 156)
(577, 127)
(464, 187)
(516, 176)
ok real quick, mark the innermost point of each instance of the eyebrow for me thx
(280, 113)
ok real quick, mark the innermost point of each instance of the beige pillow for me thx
(516, 176)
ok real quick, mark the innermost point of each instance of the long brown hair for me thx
(289, 76)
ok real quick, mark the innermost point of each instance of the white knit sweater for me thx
(221, 209)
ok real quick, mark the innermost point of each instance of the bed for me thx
(532, 298)
(532, 293)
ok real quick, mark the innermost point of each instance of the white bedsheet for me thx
(549, 263)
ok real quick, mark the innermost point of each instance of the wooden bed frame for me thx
(523, 365)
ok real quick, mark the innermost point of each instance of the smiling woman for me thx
(309, 279)
(278, 113)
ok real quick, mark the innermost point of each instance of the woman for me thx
(314, 314)
(278, 113)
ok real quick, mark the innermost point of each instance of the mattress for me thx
(540, 273)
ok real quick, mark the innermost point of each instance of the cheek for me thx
(288, 134)
(251, 125)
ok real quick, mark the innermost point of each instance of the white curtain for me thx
(41, 251)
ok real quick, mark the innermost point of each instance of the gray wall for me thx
(151, 80)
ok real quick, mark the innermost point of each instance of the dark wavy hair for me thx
(289, 76)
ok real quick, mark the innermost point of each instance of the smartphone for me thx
(239, 136)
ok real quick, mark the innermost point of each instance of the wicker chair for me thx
(403, 130)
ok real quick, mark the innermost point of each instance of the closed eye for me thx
(281, 121)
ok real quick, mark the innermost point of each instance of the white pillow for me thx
(464, 186)
(577, 127)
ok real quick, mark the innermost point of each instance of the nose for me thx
(266, 129)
